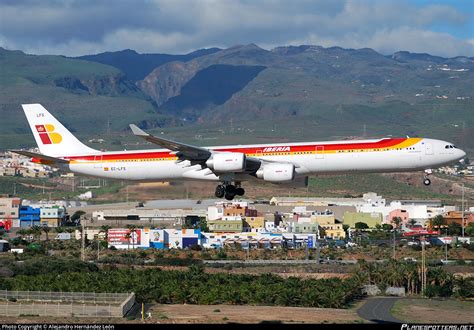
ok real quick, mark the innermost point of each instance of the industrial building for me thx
(370, 197)
(152, 216)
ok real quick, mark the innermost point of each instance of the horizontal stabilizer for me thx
(48, 160)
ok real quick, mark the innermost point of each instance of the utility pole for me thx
(423, 266)
(83, 235)
(462, 210)
(446, 243)
(394, 242)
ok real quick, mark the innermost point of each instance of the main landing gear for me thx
(229, 191)
(427, 181)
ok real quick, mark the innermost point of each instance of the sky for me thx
(80, 27)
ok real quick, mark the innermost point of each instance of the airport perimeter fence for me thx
(73, 304)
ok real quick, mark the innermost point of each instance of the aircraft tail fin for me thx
(52, 138)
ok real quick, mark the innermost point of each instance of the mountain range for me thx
(244, 93)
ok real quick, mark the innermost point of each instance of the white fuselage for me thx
(383, 155)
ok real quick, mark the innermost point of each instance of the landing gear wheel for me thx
(426, 182)
(230, 189)
(229, 197)
(239, 191)
(220, 191)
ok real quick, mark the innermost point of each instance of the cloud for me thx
(73, 27)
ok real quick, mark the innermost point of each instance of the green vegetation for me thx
(197, 287)
(85, 95)
(407, 275)
(48, 265)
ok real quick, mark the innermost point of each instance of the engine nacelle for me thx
(276, 172)
(227, 162)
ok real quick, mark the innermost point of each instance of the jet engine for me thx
(276, 172)
(227, 162)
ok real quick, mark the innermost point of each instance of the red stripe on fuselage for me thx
(384, 143)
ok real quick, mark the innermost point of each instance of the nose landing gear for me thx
(427, 181)
(229, 191)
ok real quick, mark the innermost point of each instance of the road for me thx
(377, 310)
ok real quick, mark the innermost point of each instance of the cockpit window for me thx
(449, 146)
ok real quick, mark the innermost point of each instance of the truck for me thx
(63, 236)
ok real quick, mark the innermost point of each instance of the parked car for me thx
(409, 259)
(211, 246)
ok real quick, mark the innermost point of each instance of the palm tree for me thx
(46, 230)
(412, 222)
(128, 236)
(105, 229)
(396, 221)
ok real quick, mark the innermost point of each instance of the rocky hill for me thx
(90, 98)
(247, 93)
(302, 77)
(137, 66)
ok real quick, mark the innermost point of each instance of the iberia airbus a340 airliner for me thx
(230, 165)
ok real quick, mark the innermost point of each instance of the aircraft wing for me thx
(43, 159)
(183, 151)
(189, 152)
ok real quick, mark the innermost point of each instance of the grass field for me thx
(39, 188)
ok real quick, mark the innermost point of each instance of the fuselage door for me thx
(428, 148)
(98, 161)
(319, 152)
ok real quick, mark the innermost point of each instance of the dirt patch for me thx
(434, 311)
(195, 314)
(249, 314)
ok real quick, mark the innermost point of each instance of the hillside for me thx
(243, 94)
(137, 66)
(88, 97)
(341, 92)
